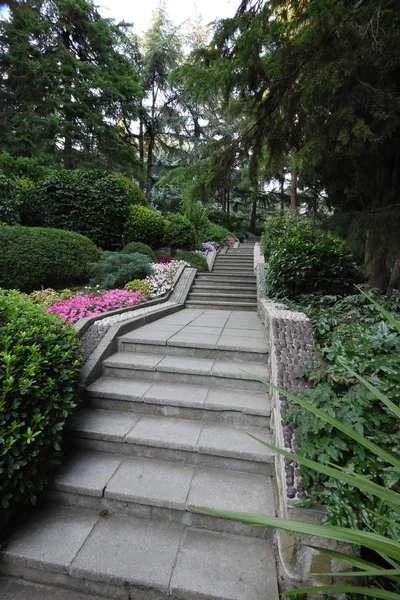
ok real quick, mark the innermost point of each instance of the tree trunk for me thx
(149, 181)
(228, 200)
(394, 282)
(282, 194)
(253, 213)
(375, 261)
(293, 185)
(67, 153)
(141, 144)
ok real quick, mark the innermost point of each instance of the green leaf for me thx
(390, 318)
(347, 589)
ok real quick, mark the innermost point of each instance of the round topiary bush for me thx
(35, 257)
(195, 260)
(115, 269)
(178, 232)
(139, 248)
(90, 202)
(39, 378)
(144, 225)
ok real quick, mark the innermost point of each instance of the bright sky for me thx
(140, 13)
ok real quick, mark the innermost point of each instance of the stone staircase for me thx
(230, 285)
(162, 430)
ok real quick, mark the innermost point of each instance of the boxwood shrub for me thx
(139, 248)
(89, 202)
(144, 225)
(35, 257)
(178, 232)
(39, 378)
(197, 261)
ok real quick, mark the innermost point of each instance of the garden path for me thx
(163, 430)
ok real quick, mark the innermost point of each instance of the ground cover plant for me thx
(194, 259)
(35, 257)
(161, 280)
(39, 378)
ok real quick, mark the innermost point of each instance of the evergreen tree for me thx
(68, 85)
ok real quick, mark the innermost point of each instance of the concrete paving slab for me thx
(186, 364)
(246, 323)
(86, 472)
(193, 340)
(201, 330)
(244, 343)
(104, 424)
(223, 368)
(231, 568)
(147, 362)
(151, 482)
(16, 589)
(159, 325)
(253, 333)
(231, 490)
(51, 538)
(165, 433)
(149, 337)
(222, 440)
(177, 394)
(210, 321)
(117, 387)
(124, 549)
(255, 403)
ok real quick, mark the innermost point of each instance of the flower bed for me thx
(161, 281)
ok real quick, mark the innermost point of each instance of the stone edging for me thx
(93, 334)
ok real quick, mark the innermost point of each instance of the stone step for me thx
(182, 369)
(231, 270)
(230, 406)
(18, 589)
(221, 297)
(212, 285)
(240, 277)
(222, 260)
(214, 445)
(162, 490)
(222, 279)
(213, 305)
(124, 557)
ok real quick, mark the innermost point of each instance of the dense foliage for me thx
(115, 269)
(303, 259)
(194, 259)
(212, 231)
(39, 377)
(139, 248)
(351, 332)
(144, 225)
(89, 202)
(34, 257)
(178, 232)
(9, 203)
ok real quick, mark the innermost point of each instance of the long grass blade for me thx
(391, 319)
(370, 573)
(347, 589)
(357, 437)
(356, 481)
(340, 534)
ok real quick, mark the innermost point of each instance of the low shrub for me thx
(35, 257)
(89, 202)
(39, 378)
(303, 259)
(144, 225)
(49, 296)
(138, 285)
(115, 269)
(193, 259)
(139, 248)
(178, 232)
(211, 231)
(88, 305)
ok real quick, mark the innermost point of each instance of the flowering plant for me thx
(165, 260)
(160, 282)
(210, 246)
(83, 305)
(230, 241)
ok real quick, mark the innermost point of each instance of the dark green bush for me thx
(89, 202)
(9, 203)
(228, 220)
(178, 232)
(34, 257)
(144, 225)
(115, 269)
(14, 167)
(139, 248)
(210, 232)
(39, 378)
(197, 261)
(303, 259)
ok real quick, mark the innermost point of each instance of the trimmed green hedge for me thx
(139, 248)
(39, 378)
(89, 202)
(197, 261)
(35, 257)
(178, 232)
(144, 225)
